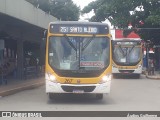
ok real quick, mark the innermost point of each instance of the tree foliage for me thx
(143, 15)
(64, 10)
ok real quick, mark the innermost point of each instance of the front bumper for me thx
(135, 71)
(52, 87)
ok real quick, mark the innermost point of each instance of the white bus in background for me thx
(127, 57)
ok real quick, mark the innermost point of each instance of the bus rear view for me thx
(78, 58)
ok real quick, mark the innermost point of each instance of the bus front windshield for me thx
(126, 55)
(78, 53)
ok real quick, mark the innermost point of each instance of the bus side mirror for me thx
(44, 35)
(112, 42)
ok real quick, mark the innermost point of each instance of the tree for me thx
(143, 15)
(64, 10)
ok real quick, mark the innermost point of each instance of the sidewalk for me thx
(14, 85)
(156, 75)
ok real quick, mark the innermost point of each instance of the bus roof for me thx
(78, 23)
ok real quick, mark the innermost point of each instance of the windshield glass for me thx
(78, 53)
(126, 54)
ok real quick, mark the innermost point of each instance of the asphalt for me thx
(13, 85)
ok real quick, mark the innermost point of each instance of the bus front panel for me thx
(77, 63)
(127, 57)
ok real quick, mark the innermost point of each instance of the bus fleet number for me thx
(68, 80)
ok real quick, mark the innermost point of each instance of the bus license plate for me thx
(125, 72)
(78, 91)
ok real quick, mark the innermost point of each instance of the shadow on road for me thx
(133, 77)
(80, 99)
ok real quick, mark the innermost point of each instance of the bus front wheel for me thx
(51, 96)
(99, 96)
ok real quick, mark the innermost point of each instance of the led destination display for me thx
(79, 29)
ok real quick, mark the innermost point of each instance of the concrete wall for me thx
(25, 11)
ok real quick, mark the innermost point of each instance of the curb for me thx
(153, 77)
(19, 89)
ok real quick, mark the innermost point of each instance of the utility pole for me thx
(147, 53)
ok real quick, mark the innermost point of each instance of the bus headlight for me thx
(114, 66)
(139, 66)
(106, 78)
(50, 77)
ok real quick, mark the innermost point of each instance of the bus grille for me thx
(84, 88)
(126, 71)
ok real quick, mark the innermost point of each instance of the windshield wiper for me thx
(70, 43)
(121, 50)
(89, 41)
(131, 49)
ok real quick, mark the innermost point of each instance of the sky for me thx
(82, 4)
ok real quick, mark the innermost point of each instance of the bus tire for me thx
(115, 76)
(99, 96)
(52, 96)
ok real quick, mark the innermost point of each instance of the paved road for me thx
(127, 94)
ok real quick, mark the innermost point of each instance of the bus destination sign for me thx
(78, 30)
(75, 29)
(128, 43)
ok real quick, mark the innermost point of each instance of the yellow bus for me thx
(78, 58)
(127, 57)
